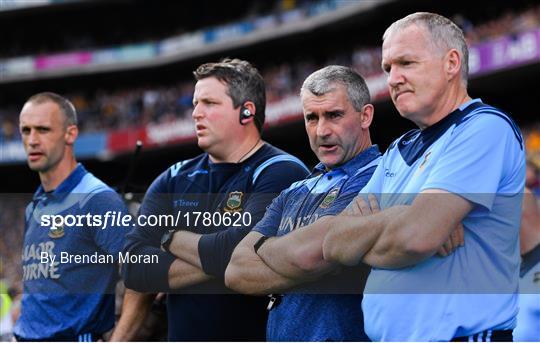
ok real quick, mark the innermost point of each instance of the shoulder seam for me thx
(175, 168)
(273, 160)
(504, 116)
(95, 192)
(303, 182)
(373, 164)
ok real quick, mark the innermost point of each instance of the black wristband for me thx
(259, 243)
(166, 240)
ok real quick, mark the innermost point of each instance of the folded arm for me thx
(399, 236)
(247, 273)
(299, 255)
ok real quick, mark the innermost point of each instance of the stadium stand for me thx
(132, 107)
(116, 108)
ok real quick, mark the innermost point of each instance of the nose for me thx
(395, 77)
(197, 112)
(323, 128)
(33, 138)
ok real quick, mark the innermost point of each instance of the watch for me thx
(166, 240)
(259, 243)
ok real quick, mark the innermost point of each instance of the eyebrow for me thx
(206, 98)
(334, 112)
(326, 113)
(406, 56)
(37, 127)
(400, 58)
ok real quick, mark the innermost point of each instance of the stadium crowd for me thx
(11, 226)
(114, 33)
(106, 110)
(12, 209)
(511, 21)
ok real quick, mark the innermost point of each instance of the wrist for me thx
(167, 239)
(260, 242)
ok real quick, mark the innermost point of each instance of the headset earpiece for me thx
(245, 113)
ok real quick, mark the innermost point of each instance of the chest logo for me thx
(426, 159)
(234, 202)
(57, 230)
(329, 198)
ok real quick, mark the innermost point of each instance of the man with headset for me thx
(218, 195)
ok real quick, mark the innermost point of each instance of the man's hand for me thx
(185, 246)
(247, 273)
(361, 208)
(135, 308)
(456, 240)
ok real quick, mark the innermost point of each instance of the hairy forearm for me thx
(351, 237)
(399, 236)
(186, 270)
(135, 307)
(254, 277)
(185, 246)
(248, 274)
(183, 274)
(416, 233)
(395, 248)
(383, 240)
(299, 254)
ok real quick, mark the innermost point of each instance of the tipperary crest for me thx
(329, 198)
(234, 202)
(57, 229)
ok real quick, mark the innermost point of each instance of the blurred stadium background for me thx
(126, 65)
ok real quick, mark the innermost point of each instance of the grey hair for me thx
(323, 81)
(445, 35)
(66, 107)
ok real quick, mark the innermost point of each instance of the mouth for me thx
(199, 128)
(327, 148)
(34, 156)
(400, 93)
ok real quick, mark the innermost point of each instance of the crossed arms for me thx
(399, 236)
(394, 238)
(280, 263)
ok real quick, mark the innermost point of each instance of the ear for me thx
(366, 116)
(72, 131)
(250, 105)
(452, 64)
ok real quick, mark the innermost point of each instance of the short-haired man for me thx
(465, 164)
(282, 250)
(67, 300)
(229, 186)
